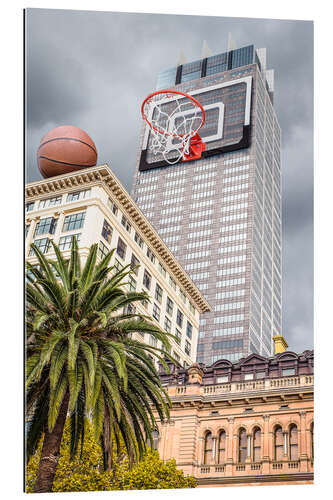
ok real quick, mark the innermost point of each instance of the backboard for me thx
(227, 107)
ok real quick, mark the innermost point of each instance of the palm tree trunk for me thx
(50, 451)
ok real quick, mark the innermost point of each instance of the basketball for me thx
(65, 149)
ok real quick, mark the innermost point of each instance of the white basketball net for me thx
(174, 119)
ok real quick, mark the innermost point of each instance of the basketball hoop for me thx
(174, 119)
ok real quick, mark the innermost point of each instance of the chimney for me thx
(280, 344)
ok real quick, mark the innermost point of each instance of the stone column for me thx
(30, 236)
(214, 451)
(285, 446)
(60, 216)
(266, 444)
(230, 439)
(302, 444)
(248, 459)
(248, 450)
(201, 451)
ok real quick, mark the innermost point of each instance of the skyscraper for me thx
(221, 215)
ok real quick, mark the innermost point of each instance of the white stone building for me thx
(93, 205)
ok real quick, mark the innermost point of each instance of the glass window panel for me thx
(74, 221)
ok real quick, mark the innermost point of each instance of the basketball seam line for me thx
(67, 139)
(64, 162)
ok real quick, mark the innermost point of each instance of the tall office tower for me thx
(221, 215)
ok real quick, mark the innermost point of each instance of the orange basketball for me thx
(65, 149)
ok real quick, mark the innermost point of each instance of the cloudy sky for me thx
(93, 69)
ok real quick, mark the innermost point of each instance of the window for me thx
(162, 269)
(192, 309)
(132, 284)
(29, 206)
(107, 231)
(176, 356)
(102, 250)
(130, 309)
(156, 312)
(121, 248)
(208, 449)
(278, 444)
(42, 244)
(187, 348)
(256, 444)
(221, 450)
(50, 202)
(125, 223)
(312, 439)
(293, 442)
(169, 306)
(27, 227)
(179, 319)
(134, 264)
(248, 376)
(113, 206)
(222, 379)
(146, 279)
(155, 436)
(117, 265)
(260, 375)
(288, 372)
(172, 283)
(74, 221)
(65, 242)
(182, 296)
(145, 303)
(150, 255)
(189, 329)
(158, 293)
(242, 446)
(78, 195)
(178, 337)
(152, 341)
(138, 240)
(167, 324)
(46, 226)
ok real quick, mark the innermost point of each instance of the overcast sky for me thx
(93, 69)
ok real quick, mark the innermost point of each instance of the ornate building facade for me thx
(250, 422)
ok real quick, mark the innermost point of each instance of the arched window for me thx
(221, 453)
(256, 440)
(208, 450)
(156, 436)
(312, 440)
(278, 443)
(242, 445)
(293, 442)
(153, 443)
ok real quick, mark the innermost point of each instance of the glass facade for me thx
(205, 67)
(221, 215)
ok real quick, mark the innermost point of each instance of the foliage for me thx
(86, 473)
(80, 345)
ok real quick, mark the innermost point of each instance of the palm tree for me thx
(82, 360)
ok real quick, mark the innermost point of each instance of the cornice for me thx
(103, 174)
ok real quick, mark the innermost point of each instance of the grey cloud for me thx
(92, 70)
